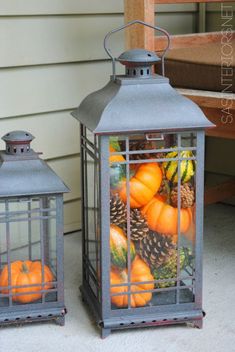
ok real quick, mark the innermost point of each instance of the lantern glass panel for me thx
(152, 243)
(91, 220)
(28, 233)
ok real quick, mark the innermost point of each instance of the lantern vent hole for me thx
(138, 72)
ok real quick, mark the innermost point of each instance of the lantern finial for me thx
(138, 62)
(18, 142)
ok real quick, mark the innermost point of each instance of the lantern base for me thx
(33, 315)
(192, 317)
(148, 321)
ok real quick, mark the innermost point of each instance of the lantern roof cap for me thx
(127, 105)
(28, 178)
(18, 136)
(22, 172)
(139, 101)
(138, 57)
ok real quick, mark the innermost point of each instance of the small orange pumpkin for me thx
(115, 158)
(23, 274)
(140, 272)
(163, 218)
(143, 185)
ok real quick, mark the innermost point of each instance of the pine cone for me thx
(156, 249)
(117, 210)
(187, 195)
(138, 225)
(145, 145)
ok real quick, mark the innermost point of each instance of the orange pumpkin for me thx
(140, 272)
(143, 185)
(115, 158)
(163, 218)
(26, 273)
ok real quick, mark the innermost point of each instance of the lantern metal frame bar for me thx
(199, 216)
(178, 220)
(155, 282)
(128, 221)
(90, 267)
(29, 230)
(105, 226)
(42, 247)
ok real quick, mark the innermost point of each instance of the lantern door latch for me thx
(155, 137)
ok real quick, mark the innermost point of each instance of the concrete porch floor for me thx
(80, 333)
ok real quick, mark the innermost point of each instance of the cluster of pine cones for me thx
(153, 247)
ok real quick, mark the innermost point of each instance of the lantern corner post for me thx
(105, 228)
(60, 246)
(200, 169)
(83, 171)
(105, 332)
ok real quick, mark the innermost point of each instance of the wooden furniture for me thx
(209, 101)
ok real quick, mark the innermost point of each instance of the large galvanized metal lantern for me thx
(142, 147)
(31, 235)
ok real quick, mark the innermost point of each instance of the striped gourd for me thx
(119, 247)
(187, 167)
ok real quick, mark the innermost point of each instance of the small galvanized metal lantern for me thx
(31, 235)
(142, 146)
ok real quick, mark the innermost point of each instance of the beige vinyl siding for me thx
(51, 57)
(48, 88)
(40, 40)
(60, 7)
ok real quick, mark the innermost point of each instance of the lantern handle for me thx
(108, 51)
